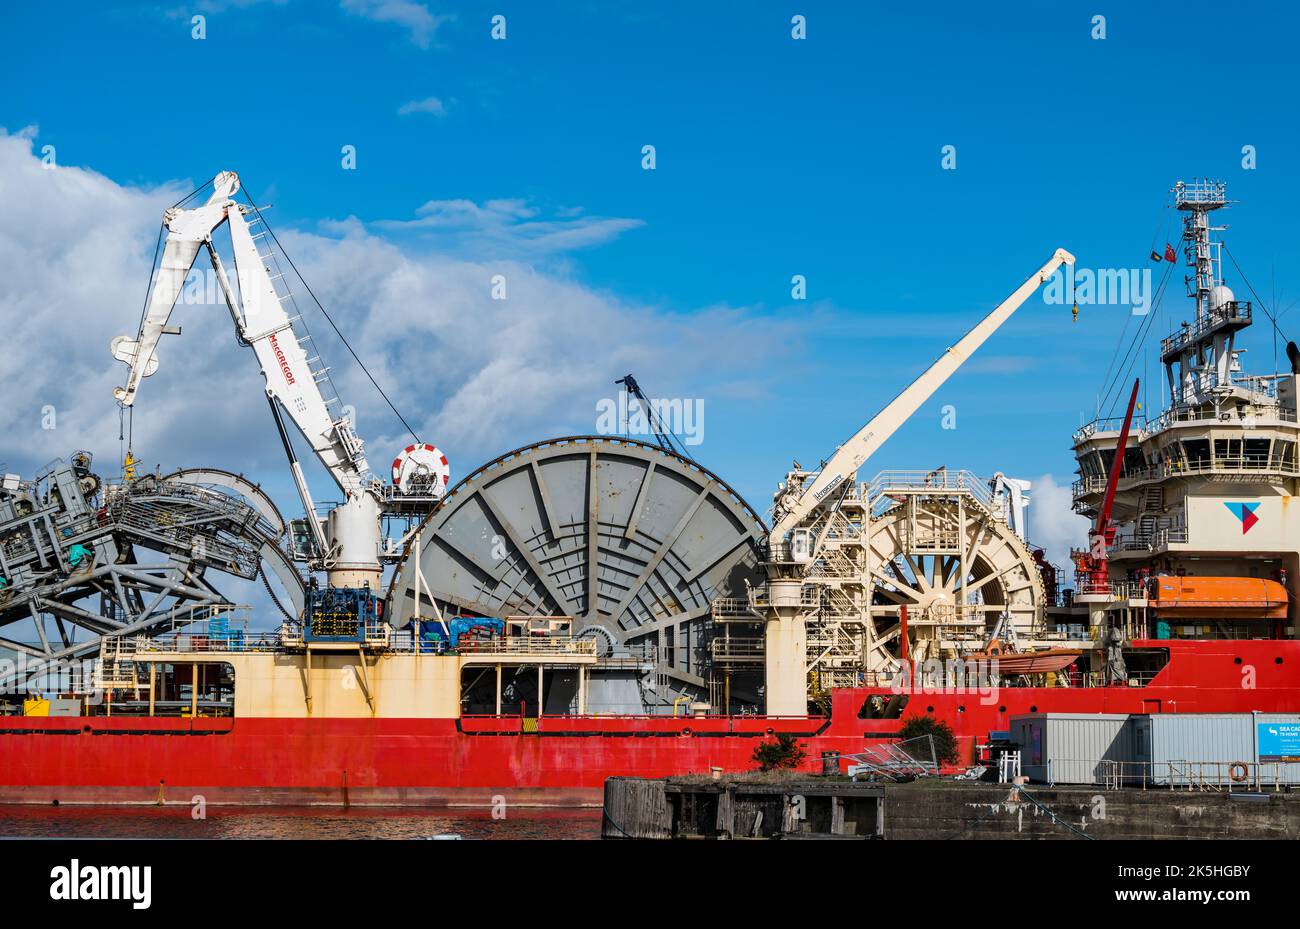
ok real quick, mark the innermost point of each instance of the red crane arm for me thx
(1116, 467)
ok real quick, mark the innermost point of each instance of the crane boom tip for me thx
(224, 186)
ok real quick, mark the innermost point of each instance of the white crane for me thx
(795, 503)
(350, 541)
(791, 546)
(1012, 494)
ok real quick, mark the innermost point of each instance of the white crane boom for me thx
(268, 329)
(261, 321)
(846, 461)
(187, 231)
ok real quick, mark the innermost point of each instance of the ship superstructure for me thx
(1205, 536)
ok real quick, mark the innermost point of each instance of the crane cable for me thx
(194, 193)
(1111, 393)
(1110, 386)
(325, 313)
(128, 413)
(158, 247)
(1107, 382)
(1128, 318)
(1262, 305)
(1115, 393)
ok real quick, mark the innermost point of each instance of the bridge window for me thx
(1196, 452)
(1284, 454)
(1257, 452)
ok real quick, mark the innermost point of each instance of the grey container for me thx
(1185, 748)
(1201, 749)
(1071, 748)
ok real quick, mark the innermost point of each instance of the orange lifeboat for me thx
(1219, 597)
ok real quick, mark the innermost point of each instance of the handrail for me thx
(1202, 415)
(1101, 424)
(529, 645)
(201, 638)
(1233, 312)
(1116, 590)
(1176, 774)
(940, 479)
(727, 649)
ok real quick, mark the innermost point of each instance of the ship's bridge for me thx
(1205, 492)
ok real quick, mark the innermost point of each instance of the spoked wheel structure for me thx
(632, 541)
(960, 571)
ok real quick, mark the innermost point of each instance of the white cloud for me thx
(430, 105)
(506, 228)
(491, 375)
(476, 375)
(1054, 526)
(414, 17)
(217, 6)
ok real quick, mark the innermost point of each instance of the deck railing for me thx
(1221, 776)
(728, 649)
(1231, 313)
(939, 481)
(204, 637)
(528, 645)
(1116, 590)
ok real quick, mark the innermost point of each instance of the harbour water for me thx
(118, 822)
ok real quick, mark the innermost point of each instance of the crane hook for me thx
(1076, 313)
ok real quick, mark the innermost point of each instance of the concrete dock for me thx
(837, 808)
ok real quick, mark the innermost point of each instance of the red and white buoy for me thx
(421, 469)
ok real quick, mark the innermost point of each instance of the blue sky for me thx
(774, 157)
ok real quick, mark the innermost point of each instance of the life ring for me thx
(1235, 768)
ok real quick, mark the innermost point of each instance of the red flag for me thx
(1169, 253)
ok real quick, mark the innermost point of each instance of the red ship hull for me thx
(565, 763)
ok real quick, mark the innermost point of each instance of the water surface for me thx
(232, 822)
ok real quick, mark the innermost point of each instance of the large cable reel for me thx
(632, 541)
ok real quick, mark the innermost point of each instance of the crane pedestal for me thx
(354, 532)
(786, 644)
